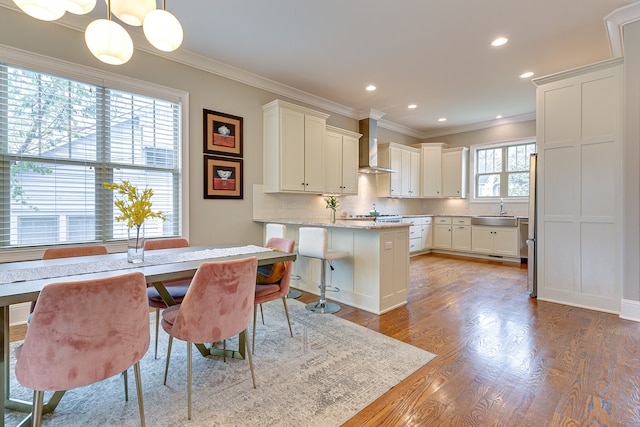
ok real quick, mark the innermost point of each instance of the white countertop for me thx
(340, 223)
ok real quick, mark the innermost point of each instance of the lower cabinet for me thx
(502, 241)
(461, 234)
(419, 233)
(442, 232)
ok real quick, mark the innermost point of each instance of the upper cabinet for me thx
(293, 148)
(405, 161)
(454, 172)
(341, 161)
(431, 169)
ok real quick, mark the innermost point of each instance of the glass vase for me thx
(135, 244)
(333, 216)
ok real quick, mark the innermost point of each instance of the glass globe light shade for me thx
(44, 10)
(80, 7)
(108, 42)
(132, 12)
(163, 30)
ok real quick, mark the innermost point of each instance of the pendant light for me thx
(132, 12)
(44, 10)
(162, 29)
(108, 41)
(80, 7)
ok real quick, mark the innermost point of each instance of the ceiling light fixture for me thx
(44, 10)
(442, 119)
(80, 7)
(371, 88)
(131, 12)
(499, 41)
(162, 29)
(526, 75)
(412, 106)
(108, 41)
(499, 116)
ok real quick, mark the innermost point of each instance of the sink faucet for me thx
(502, 211)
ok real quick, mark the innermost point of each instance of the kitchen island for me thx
(375, 277)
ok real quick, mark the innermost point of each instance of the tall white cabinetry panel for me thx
(341, 161)
(293, 148)
(579, 180)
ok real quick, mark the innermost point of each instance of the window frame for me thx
(49, 65)
(473, 175)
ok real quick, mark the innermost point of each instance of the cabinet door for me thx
(314, 131)
(442, 236)
(451, 175)
(292, 134)
(333, 166)
(414, 174)
(349, 165)
(505, 242)
(461, 237)
(431, 171)
(482, 239)
(427, 236)
(395, 161)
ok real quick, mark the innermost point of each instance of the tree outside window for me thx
(503, 171)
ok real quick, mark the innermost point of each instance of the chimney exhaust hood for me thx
(369, 148)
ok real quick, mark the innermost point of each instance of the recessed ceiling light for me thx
(499, 41)
(442, 119)
(371, 88)
(412, 106)
(499, 116)
(526, 75)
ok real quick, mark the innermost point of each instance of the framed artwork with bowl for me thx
(222, 134)
(222, 178)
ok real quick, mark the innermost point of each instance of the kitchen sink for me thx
(494, 220)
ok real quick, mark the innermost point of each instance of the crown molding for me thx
(481, 125)
(615, 21)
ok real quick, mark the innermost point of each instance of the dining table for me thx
(22, 281)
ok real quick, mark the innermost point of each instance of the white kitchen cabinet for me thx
(427, 234)
(454, 172)
(461, 234)
(442, 233)
(490, 240)
(293, 148)
(405, 182)
(431, 168)
(415, 233)
(341, 161)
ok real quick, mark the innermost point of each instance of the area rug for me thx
(329, 371)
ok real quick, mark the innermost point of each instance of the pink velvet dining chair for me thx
(217, 306)
(84, 332)
(277, 290)
(176, 288)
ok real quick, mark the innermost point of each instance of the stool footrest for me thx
(323, 307)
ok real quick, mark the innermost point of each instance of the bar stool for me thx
(280, 231)
(312, 243)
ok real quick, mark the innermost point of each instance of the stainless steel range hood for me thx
(369, 147)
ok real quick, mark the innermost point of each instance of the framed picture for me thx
(222, 178)
(222, 134)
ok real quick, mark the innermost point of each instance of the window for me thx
(502, 170)
(60, 139)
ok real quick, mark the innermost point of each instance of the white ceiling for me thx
(434, 53)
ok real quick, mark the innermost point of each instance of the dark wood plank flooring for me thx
(503, 359)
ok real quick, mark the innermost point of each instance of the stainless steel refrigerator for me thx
(532, 262)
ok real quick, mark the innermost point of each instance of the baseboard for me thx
(630, 310)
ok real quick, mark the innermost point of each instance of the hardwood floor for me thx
(503, 359)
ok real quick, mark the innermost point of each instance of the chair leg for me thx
(36, 414)
(286, 311)
(136, 371)
(189, 380)
(166, 368)
(155, 354)
(246, 340)
(261, 314)
(253, 338)
(125, 378)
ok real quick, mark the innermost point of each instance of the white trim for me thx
(481, 125)
(630, 310)
(614, 22)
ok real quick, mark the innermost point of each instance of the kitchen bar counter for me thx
(375, 277)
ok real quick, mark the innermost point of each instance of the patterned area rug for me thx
(325, 374)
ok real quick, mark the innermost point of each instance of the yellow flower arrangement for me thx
(134, 207)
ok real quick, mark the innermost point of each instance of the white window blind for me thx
(60, 139)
